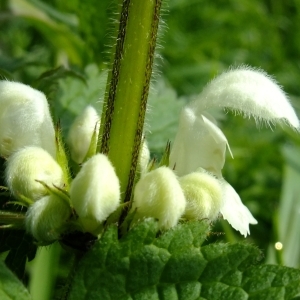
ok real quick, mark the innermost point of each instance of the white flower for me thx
(95, 192)
(81, 132)
(199, 143)
(28, 165)
(159, 195)
(24, 119)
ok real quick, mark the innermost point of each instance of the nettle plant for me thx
(137, 225)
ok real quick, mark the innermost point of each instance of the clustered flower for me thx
(189, 187)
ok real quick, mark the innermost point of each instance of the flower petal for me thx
(199, 143)
(251, 92)
(234, 211)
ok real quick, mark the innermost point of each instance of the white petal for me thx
(199, 143)
(234, 211)
(250, 92)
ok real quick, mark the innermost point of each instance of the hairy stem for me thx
(128, 88)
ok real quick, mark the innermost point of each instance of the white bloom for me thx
(24, 119)
(95, 192)
(26, 166)
(46, 217)
(199, 143)
(81, 132)
(159, 195)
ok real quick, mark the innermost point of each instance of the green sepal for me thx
(93, 145)
(56, 191)
(12, 219)
(165, 158)
(25, 201)
(61, 156)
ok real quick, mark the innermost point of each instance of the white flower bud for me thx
(81, 131)
(24, 119)
(46, 217)
(203, 194)
(95, 192)
(26, 166)
(159, 195)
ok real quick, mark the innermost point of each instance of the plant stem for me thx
(44, 268)
(127, 90)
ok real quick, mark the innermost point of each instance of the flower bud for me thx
(81, 131)
(26, 166)
(24, 119)
(159, 195)
(95, 192)
(203, 194)
(144, 158)
(46, 217)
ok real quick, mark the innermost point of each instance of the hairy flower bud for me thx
(81, 131)
(26, 166)
(203, 194)
(24, 119)
(159, 195)
(95, 192)
(144, 158)
(46, 217)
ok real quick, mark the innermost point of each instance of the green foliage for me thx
(21, 248)
(175, 265)
(10, 287)
(162, 118)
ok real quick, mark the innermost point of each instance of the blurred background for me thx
(199, 39)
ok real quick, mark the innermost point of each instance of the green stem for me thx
(43, 272)
(128, 87)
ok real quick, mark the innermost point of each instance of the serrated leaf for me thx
(10, 287)
(75, 95)
(174, 266)
(162, 116)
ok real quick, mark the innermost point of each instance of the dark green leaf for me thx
(21, 248)
(10, 287)
(142, 265)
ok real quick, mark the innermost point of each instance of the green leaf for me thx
(21, 248)
(174, 266)
(75, 95)
(10, 287)
(162, 116)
